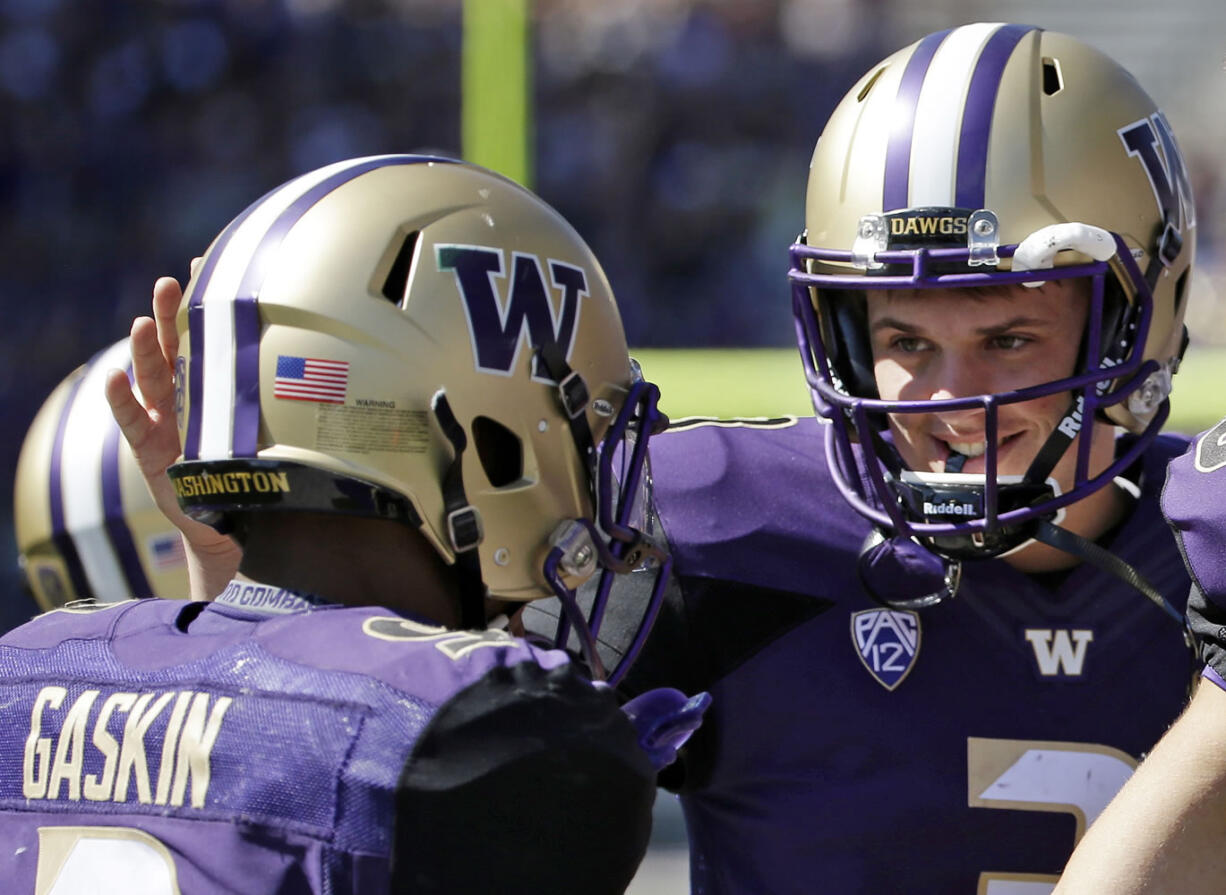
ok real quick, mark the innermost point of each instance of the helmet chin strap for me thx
(1057, 443)
(1088, 551)
(464, 528)
(573, 396)
(1072, 543)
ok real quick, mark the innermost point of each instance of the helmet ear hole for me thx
(500, 452)
(395, 286)
(1053, 78)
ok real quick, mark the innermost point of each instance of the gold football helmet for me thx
(419, 339)
(86, 524)
(993, 154)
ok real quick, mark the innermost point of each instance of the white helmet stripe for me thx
(938, 115)
(88, 427)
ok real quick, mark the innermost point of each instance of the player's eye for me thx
(908, 344)
(1009, 342)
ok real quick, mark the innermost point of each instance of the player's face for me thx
(937, 344)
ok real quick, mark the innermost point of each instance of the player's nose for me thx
(957, 374)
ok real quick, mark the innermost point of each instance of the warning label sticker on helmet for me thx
(370, 429)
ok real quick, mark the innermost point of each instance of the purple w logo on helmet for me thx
(1166, 171)
(496, 327)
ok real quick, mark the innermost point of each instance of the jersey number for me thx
(103, 861)
(1033, 775)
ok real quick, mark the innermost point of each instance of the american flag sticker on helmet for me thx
(167, 551)
(887, 642)
(311, 379)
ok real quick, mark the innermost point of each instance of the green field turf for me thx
(769, 382)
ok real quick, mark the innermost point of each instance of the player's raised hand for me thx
(148, 421)
(146, 417)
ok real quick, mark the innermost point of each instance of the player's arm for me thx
(529, 781)
(1166, 829)
(152, 431)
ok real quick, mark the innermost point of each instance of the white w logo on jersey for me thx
(1059, 652)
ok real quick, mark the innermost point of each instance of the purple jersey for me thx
(1193, 502)
(269, 743)
(851, 748)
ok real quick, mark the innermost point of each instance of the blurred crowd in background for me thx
(674, 134)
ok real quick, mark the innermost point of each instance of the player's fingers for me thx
(195, 263)
(133, 421)
(153, 377)
(167, 295)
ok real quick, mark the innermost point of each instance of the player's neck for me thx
(1091, 517)
(354, 561)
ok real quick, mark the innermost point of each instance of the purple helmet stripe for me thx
(59, 534)
(246, 377)
(195, 336)
(195, 328)
(117, 529)
(898, 153)
(977, 114)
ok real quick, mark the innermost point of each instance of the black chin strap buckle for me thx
(464, 527)
(573, 393)
(1170, 245)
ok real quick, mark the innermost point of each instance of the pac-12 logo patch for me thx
(887, 642)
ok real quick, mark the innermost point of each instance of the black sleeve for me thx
(529, 781)
(1208, 622)
(706, 629)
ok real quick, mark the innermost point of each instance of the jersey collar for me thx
(267, 599)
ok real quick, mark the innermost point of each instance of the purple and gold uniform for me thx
(852, 748)
(1193, 503)
(268, 742)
